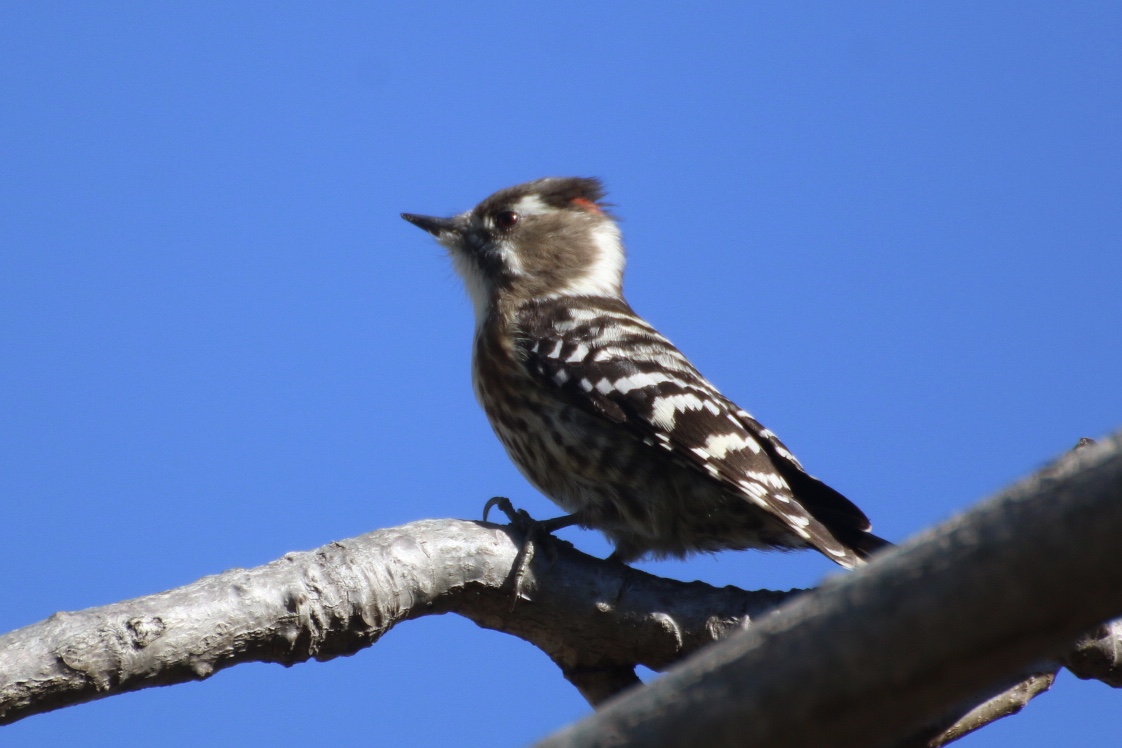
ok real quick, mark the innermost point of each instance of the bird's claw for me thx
(503, 504)
(531, 530)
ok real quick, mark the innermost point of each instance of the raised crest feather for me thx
(583, 193)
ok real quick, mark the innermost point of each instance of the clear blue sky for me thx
(891, 231)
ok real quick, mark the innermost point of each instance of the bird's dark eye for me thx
(506, 219)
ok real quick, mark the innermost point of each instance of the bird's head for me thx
(543, 239)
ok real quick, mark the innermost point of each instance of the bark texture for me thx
(595, 619)
(959, 627)
(868, 657)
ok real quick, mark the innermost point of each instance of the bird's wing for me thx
(630, 374)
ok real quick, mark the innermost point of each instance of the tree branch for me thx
(595, 619)
(865, 658)
(1098, 655)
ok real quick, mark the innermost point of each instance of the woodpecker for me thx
(604, 415)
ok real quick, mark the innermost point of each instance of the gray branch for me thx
(866, 658)
(597, 619)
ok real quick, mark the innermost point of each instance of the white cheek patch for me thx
(604, 276)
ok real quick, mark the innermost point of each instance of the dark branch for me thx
(867, 657)
(598, 619)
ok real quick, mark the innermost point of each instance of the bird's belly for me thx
(644, 500)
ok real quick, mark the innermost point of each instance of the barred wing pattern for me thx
(603, 358)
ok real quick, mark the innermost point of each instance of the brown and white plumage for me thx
(602, 413)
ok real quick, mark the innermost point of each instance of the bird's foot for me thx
(531, 530)
(522, 520)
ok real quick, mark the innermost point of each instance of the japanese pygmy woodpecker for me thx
(602, 413)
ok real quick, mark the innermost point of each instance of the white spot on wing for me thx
(580, 314)
(784, 453)
(556, 350)
(796, 519)
(755, 489)
(566, 326)
(775, 480)
(666, 408)
(636, 381)
(579, 353)
(561, 376)
(755, 492)
(719, 445)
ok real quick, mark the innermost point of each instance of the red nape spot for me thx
(585, 204)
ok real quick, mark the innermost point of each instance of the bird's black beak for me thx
(431, 224)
